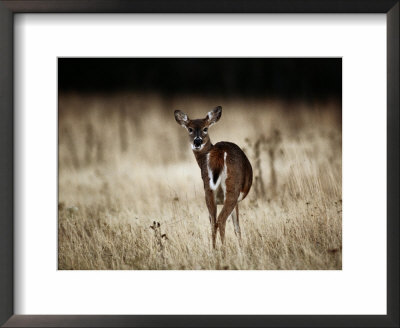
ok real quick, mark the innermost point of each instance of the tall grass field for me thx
(131, 195)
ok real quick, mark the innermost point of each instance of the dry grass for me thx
(125, 163)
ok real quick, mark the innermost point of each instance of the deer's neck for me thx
(201, 156)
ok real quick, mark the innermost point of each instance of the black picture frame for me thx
(10, 7)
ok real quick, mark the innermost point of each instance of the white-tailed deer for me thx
(225, 170)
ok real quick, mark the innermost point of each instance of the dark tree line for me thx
(306, 78)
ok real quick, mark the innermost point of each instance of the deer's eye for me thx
(205, 130)
(190, 130)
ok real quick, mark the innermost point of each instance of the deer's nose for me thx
(197, 142)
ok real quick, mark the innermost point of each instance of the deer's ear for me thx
(214, 115)
(181, 118)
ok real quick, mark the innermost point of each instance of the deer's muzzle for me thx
(197, 142)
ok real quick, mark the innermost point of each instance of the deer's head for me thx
(198, 129)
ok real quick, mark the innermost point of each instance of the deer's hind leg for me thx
(229, 206)
(235, 220)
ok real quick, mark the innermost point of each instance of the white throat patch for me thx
(197, 149)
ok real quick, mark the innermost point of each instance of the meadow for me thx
(131, 195)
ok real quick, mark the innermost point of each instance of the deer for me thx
(226, 171)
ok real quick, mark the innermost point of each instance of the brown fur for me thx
(239, 173)
(216, 162)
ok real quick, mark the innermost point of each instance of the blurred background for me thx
(125, 162)
(132, 91)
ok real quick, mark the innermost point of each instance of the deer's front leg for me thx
(212, 210)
